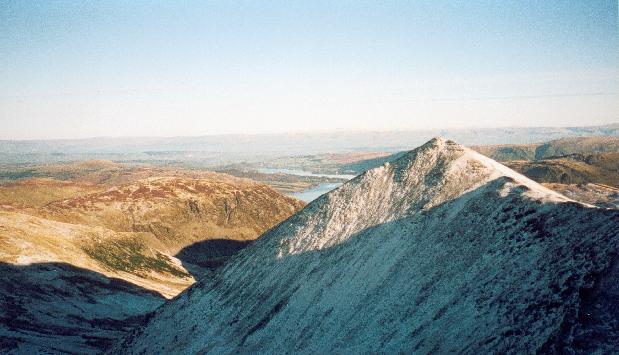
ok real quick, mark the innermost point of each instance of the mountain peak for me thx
(438, 140)
(441, 143)
(444, 167)
(442, 250)
(436, 173)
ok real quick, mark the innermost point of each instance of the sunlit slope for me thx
(83, 263)
(68, 287)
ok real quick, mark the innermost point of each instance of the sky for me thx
(73, 69)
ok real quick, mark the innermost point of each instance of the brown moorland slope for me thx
(180, 211)
(554, 148)
(177, 211)
(27, 239)
(577, 145)
(506, 152)
(572, 169)
(75, 288)
(41, 191)
(102, 172)
(83, 262)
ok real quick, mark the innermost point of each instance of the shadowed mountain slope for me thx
(133, 257)
(211, 253)
(594, 194)
(59, 308)
(442, 250)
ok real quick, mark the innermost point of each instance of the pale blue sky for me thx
(114, 68)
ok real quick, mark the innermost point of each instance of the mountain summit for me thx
(442, 250)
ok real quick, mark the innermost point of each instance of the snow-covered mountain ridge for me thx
(437, 172)
(442, 250)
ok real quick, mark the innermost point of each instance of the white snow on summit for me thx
(443, 250)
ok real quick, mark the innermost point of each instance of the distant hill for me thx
(555, 148)
(176, 210)
(41, 191)
(100, 172)
(577, 145)
(180, 211)
(572, 169)
(508, 152)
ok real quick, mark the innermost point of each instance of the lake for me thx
(313, 193)
(302, 173)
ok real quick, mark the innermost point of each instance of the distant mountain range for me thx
(224, 149)
(442, 250)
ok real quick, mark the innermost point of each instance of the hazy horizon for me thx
(109, 69)
(318, 132)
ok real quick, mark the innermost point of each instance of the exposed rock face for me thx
(442, 250)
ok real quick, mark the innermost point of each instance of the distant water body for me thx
(312, 193)
(303, 173)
